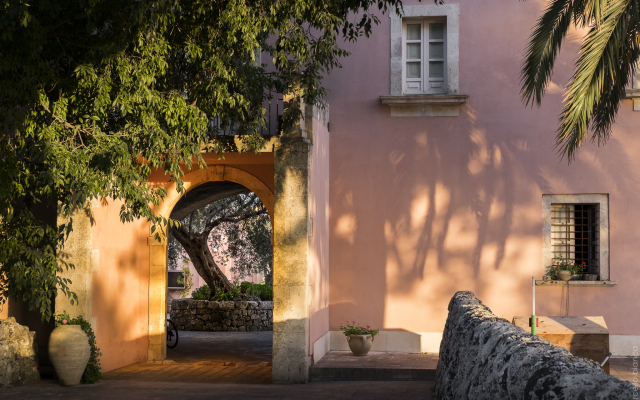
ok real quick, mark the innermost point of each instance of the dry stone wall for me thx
(18, 358)
(485, 357)
(231, 316)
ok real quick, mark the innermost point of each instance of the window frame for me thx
(602, 200)
(169, 280)
(450, 13)
(424, 81)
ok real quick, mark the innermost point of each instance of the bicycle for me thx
(172, 335)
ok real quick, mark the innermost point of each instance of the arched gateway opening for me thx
(121, 269)
(203, 186)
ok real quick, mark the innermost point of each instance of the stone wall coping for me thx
(484, 357)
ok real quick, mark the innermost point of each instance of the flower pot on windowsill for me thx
(563, 275)
(69, 351)
(360, 344)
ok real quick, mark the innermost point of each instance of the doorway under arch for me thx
(236, 180)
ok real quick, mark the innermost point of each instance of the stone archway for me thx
(295, 248)
(158, 250)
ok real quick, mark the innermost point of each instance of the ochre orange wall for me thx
(121, 286)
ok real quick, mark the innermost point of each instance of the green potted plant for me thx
(360, 339)
(565, 269)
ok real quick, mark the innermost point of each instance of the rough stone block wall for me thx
(18, 358)
(485, 357)
(222, 316)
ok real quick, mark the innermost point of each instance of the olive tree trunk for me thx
(202, 259)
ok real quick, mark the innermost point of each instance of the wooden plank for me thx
(583, 336)
(566, 325)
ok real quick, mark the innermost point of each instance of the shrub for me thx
(263, 291)
(227, 296)
(201, 293)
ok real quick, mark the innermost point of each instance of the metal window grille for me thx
(575, 234)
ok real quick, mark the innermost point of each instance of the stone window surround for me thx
(425, 104)
(602, 199)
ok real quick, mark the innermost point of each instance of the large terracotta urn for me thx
(360, 344)
(69, 352)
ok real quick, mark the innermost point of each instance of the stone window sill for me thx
(425, 105)
(577, 283)
(632, 93)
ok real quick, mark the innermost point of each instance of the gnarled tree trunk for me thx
(202, 259)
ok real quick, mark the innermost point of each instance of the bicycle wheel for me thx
(172, 335)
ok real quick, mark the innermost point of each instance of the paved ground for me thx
(249, 348)
(198, 371)
(140, 390)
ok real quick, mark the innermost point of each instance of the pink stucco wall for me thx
(422, 207)
(319, 241)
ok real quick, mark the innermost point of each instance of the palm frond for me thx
(604, 65)
(544, 45)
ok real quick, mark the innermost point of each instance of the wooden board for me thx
(583, 336)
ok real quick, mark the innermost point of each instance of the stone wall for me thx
(485, 357)
(232, 316)
(18, 358)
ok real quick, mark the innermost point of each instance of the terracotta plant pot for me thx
(360, 344)
(69, 352)
(563, 275)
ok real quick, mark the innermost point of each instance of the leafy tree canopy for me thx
(605, 64)
(96, 94)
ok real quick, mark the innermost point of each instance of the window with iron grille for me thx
(575, 235)
(576, 228)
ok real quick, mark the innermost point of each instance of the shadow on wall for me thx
(449, 205)
(121, 291)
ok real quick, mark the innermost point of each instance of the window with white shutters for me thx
(424, 54)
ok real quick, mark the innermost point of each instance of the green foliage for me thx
(264, 292)
(249, 246)
(604, 67)
(186, 280)
(256, 289)
(98, 94)
(566, 265)
(227, 296)
(202, 293)
(354, 329)
(92, 371)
